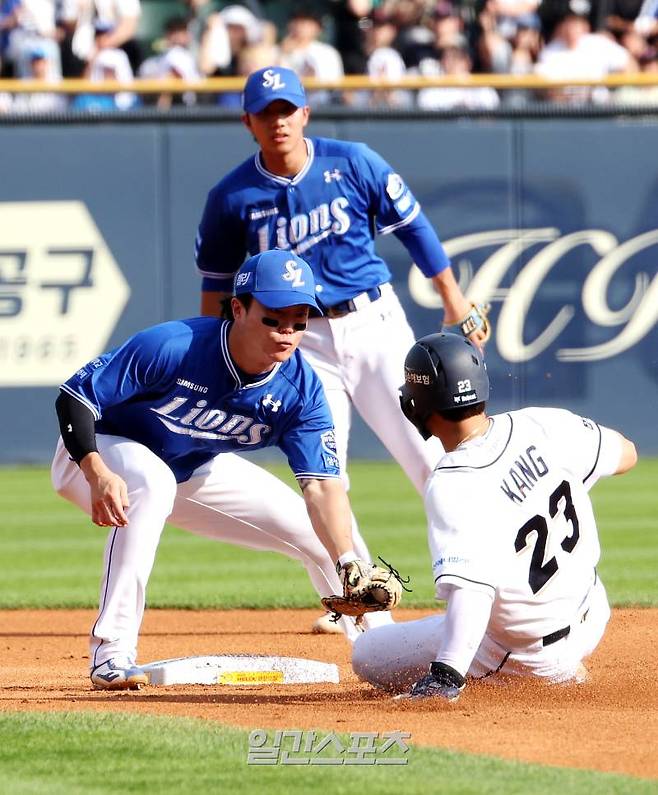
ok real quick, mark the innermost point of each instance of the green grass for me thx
(87, 753)
(50, 553)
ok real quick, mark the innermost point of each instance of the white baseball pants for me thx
(228, 499)
(394, 657)
(360, 360)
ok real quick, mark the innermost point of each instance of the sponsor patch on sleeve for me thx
(329, 452)
(395, 186)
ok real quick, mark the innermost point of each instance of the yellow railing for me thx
(218, 85)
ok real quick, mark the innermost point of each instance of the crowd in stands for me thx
(48, 40)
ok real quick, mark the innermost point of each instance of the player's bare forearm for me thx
(213, 303)
(456, 307)
(124, 31)
(329, 511)
(108, 491)
(455, 304)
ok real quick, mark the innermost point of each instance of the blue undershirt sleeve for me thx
(424, 246)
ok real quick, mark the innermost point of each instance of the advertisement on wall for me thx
(517, 268)
(61, 291)
(539, 220)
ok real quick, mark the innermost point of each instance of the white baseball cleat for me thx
(118, 673)
(325, 626)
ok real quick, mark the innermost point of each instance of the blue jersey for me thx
(328, 214)
(175, 389)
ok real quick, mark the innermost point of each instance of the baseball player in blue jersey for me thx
(325, 200)
(150, 433)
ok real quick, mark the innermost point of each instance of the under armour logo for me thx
(273, 80)
(332, 175)
(269, 401)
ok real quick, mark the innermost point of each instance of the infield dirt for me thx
(610, 723)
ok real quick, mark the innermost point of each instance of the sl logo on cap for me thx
(293, 273)
(272, 80)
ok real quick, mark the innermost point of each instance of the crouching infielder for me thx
(150, 433)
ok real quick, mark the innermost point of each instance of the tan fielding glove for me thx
(367, 588)
(477, 319)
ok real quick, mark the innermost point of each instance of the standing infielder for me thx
(325, 199)
(512, 535)
(150, 431)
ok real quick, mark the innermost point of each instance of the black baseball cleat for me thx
(441, 682)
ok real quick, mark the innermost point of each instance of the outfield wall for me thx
(555, 221)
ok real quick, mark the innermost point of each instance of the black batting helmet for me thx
(442, 372)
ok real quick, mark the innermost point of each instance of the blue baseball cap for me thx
(38, 54)
(277, 279)
(269, 84)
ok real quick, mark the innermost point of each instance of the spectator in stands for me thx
(41, 101)
(448, 31)
(177, 33)
(385, 62)
(620, 15)
(176, 58)
(525, 48)
(636, 44)
(414, 37)
(107, 63)
(178, 64)
(517, 56)
(250, 59)
(640, 95)
(456, 61)
(8, 22)
(352, 21)
(647, 19)
(104, 42)
(510, 47)
(509, 15)
(575, 52)
(244, 29)
(35, 30)
(638, 15)
(78, 19)
(210, 40)
(448, 28)
(302, 51)
(198, 14)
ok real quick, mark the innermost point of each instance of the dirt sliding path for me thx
(608, 724)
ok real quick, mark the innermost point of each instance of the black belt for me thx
(553, 637)
(345, 307)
